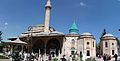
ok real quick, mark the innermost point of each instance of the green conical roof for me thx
(73, 29)
(74, 26)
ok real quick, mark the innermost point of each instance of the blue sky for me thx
(90, 16)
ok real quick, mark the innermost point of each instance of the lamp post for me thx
(29, 39)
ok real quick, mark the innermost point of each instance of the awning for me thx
(17, 41)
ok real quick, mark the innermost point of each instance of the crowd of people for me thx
(107, 57)
(39, 57)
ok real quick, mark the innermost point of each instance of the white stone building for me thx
(71, 42)
(108, 44)
(84, 43)
(44, 40)
(87, 45)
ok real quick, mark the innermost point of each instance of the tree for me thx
(1, 44)
(98, 50)
(0, 36)
(118, 42)
(104, 32)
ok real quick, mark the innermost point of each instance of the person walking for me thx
(115, 56)
(63, 59)
(104, 57)
(70, 58)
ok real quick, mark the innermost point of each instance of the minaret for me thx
(47, 16)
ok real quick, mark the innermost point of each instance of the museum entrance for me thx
(38, 47)
(53, 47)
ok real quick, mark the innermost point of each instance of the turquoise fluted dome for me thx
(74, 29)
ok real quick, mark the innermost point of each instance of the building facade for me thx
(108, 44)
(45, 40)
(87, 45)
(71, 40)
(84, 44)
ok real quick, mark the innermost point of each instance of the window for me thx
(88, 53)
(72, 52)
(73, 41)
(113, 52)
(112, 43)
(80, 54)
(106, 44)
(88, 43)
(93, 44)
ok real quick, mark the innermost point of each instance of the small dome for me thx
(86, 34)
(108, 35)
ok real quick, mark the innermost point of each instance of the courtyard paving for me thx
(5, 60)
(97, 59)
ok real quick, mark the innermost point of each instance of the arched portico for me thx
(38, 47)
(53, 46)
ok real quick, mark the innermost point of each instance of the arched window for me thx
(73, 42)
(72, 50)
(113, 52)
(93, 44)
(88, 53)
(106, 44)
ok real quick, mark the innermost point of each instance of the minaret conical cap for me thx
(48, 3)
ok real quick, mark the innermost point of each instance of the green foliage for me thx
(0, 35)
(73, 58)
(97, 48)
(81, 59)
(118, 42)
(81, 55)
(55, 59)
(3, 57)
(90, 59)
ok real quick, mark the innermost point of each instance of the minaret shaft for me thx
(47, 20)
(47, 16)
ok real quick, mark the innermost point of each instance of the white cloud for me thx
(3, 24)
(6, 23)
(82, 4)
